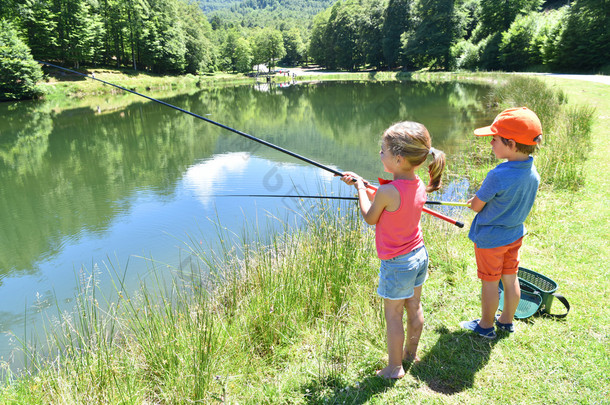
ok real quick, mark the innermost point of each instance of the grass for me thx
(61, 85)
(297, 320)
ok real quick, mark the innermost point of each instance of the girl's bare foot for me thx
(391, 372)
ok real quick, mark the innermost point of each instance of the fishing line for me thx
(334, 197)
(251, 137)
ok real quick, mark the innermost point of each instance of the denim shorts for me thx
(400, 275)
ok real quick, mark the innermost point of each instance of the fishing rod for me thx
(251, 137)
(334, 197)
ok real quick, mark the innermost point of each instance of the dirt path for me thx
(310, 71)
(589, 78)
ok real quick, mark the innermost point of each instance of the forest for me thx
(179, 37)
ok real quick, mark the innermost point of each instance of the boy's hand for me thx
(476, 204)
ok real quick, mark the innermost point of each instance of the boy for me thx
(502, 204)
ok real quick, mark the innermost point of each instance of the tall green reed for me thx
(295, 279)
(156, 346)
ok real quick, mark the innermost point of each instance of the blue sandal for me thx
(507, 327)
(488, 333)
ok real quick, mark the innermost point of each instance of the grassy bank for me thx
(298, 320)
(77, 91)
(59, 84)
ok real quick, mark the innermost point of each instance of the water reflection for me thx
(81, 189)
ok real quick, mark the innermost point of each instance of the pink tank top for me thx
(399, 232)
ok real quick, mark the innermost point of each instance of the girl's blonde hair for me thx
(411, 140)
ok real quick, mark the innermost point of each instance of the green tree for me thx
(40, 26)
(243, 55)
(371, 33)
(396, 22)
(269, 47)
(228, 52)
(92, 42)
(319, 43)
(549, 36)
(470, 11)
(438, 29)
(163, 48)
(108, 13)
(518, 49)
(345, 23)
(8, 10)
(19, 73)
(123, 41)
(293, 44)
(467, 55)
(497, 16)
(135, 11)
(585, 41)
(200, 52)
(494, 18)
(77, 30)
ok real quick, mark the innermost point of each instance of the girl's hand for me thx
(353, 179)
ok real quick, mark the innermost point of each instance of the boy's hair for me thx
(411, 140)
(526, 149)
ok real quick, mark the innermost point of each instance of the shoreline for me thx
(68, 85)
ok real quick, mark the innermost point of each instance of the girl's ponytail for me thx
(435, 169)
(411, 140)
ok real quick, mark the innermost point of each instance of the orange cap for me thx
(519, 124)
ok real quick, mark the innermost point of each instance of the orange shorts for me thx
(495, 262)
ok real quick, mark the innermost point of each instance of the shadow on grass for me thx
(334, 391)
(400, 76)
(64, 76)
(450, 366)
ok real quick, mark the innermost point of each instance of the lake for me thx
(127, 185)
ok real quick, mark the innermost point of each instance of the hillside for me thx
(212, 5)
(263, 13)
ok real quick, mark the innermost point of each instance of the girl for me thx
(395, 209)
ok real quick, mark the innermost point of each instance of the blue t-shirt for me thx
(509, 191)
